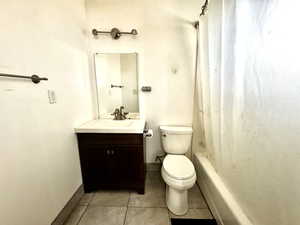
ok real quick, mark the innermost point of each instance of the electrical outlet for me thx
(51, 96)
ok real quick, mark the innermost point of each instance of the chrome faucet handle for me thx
(122, 113)
(116, 113)
(119, 114)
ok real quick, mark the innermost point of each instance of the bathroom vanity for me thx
(112, 154)
(112, 149)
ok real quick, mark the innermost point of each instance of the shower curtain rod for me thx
(204, 8)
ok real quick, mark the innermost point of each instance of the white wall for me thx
(256, 146)
(166, 50)
(39, 163)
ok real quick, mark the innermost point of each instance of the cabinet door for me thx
(129, 160)
(95, 165)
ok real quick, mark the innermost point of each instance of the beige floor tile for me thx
(86, 199)
(154, 196)
(196, 200)
(98, 215)
(153, 167)
(110, 198)
(76, 215)
(147, 200)
(194, 214)
(154, 177)
(147, 216)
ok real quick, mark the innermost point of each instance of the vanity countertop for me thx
(128, 126)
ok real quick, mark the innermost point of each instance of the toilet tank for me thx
(176, 139)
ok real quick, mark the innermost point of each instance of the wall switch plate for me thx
(51, 96)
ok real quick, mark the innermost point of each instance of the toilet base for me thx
(177, 200)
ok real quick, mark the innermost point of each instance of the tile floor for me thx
(130, 208)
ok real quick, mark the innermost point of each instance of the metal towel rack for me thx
(116, 86)
(34, 78)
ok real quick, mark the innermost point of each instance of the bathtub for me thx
(221, 202)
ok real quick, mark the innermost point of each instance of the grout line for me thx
(108, 206)
(205, 201)
(89, 204)
(126, 210)
(99, 205)
(169, 216)
(86, 207)
(148, 207)
(125, 216)
(92, 198)
(70, 214)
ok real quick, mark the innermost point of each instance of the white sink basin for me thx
(113, 123)
(112, 126)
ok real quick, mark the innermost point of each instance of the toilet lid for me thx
(178, 167)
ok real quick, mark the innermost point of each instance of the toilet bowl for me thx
(177, 170)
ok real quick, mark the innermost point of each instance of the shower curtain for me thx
(246, 115)
(207, 90)
(227, 80)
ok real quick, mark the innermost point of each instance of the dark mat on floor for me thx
(193, 222)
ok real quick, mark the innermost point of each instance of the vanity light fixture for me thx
(115, 32)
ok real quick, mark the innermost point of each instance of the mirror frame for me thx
(96, 88)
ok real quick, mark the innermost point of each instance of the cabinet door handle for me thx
(108, 152)
(112, 152)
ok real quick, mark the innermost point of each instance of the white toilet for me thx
(177, 170)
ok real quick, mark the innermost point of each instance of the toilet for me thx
(177, 171)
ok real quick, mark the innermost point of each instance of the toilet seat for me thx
(180, 185)
(178, 167)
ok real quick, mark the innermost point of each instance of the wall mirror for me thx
(117, 82)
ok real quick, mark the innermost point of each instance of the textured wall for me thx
(39, 163)
(166, 52)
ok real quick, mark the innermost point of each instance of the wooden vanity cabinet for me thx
(112, 161)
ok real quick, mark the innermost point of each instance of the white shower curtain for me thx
(246, 116)
(229, 38)
(207, 95)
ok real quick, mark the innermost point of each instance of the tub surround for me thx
(222, 203)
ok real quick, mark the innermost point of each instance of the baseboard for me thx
(153, 166)
(221, 202)
(69, 207)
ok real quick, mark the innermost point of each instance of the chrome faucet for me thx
(120, 114)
